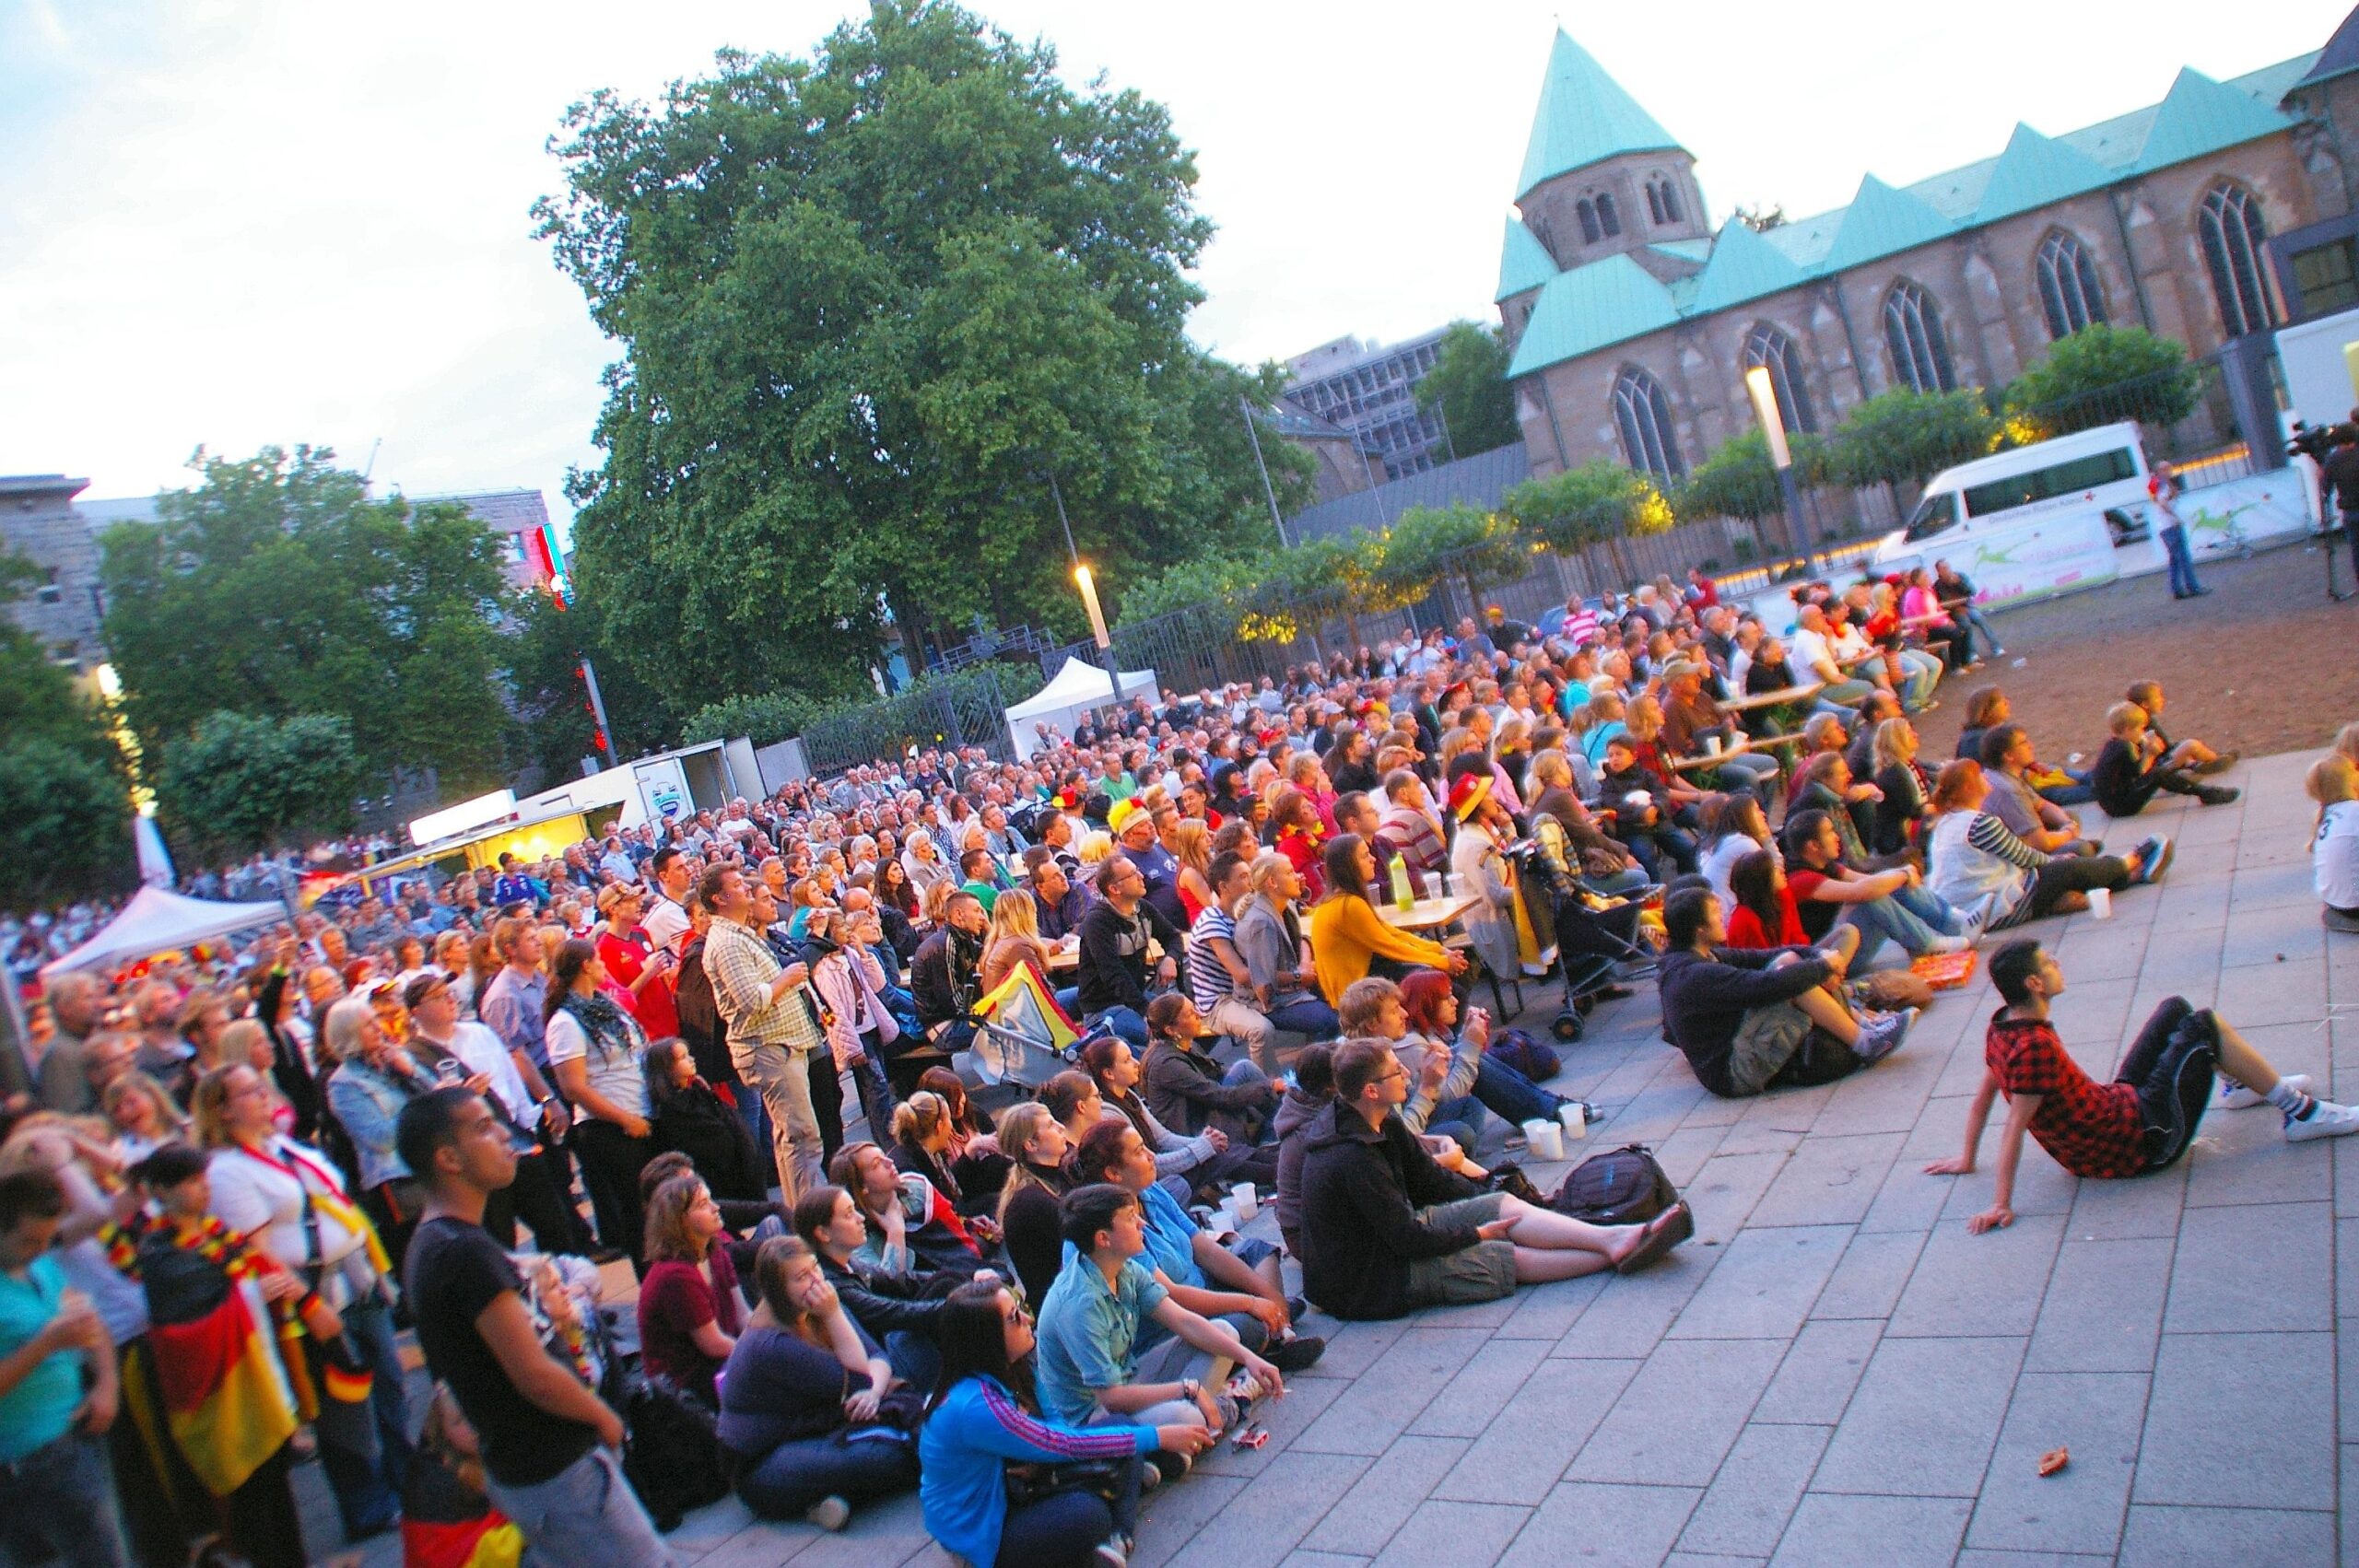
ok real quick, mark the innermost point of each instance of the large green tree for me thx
(1902, 437)
(64, 810)
(2098, 375)
(239, 783)
(872, 304)
(1469, 384)
(278, 587)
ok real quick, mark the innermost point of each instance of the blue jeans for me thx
(875, 1095)
(368, 1470)
(586, 1513)
(1505, 1090)
(1975, 623)
(1307, 1015)
(1912, 917)
(61, 1504)
(1124, 1023)
(1068, 998)
(757, 1118)
(2079, 793)
(2182, 564)
(794, 1476)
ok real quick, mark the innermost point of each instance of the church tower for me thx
(1602, 177)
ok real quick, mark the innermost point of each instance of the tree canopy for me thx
(1905, 438)
(872, 303)
(278, 587)
(1469, 384)
(2098, 375)
(65, 811)
(240, 782)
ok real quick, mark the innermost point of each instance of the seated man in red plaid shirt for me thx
(2141, 1121)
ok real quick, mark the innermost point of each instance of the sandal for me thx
(1667, 1231)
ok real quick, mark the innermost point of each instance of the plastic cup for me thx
(1245, 1202)
(1544, 1139)
(1575, 1118)
(1711, 745)
(2101, 903)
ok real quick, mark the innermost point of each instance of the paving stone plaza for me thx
(1834, 1372)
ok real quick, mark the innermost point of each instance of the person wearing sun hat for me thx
(1497, 925)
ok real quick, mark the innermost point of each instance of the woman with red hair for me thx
(1430, 1008)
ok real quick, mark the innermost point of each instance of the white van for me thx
(2096, 472)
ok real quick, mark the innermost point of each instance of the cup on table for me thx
(2101, 903)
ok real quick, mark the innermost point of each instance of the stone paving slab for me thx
(1834, 1372)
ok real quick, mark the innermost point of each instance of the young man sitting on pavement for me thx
(1886, 905)
(2135, 765)
(1751, 1021)
(1088, 1367)
(2141, 1121)
(1388, 1231)
(2007, 763)
(1242, 1289)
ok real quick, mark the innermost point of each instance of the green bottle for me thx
(1404, 896)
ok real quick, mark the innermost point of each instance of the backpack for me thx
(673, 1457)
(1526, 1055)
(1621, 1187)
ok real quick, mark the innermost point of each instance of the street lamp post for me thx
(1763, 392)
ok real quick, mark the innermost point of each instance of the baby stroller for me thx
(1022, 1039)
(1595, 949)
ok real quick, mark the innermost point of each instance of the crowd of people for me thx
(725, 1049)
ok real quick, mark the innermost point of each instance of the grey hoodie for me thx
(1294, 1113)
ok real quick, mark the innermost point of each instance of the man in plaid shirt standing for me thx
(2141, 1121)
(772, 1022)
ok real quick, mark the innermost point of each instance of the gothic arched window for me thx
(1591, 233)
(1920, 349)
(2232, 232)
(1767, 346)
(1671, 201)
(1608, 218)
(1654, 202)
(2068, 291)
(1643, 414)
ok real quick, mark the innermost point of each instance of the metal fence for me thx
(968, 708)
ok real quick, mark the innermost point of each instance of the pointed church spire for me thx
(1585, 117)
(2200, 115)
(1880, 221)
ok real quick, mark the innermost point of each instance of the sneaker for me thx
(829, 1514)
(1880, 1036)
(1293, 1355)
(2219, 763)
(2154, 858)
(1295, 1307)
(1112, 1552)
(2234, 1096)
(1949, 944)
(2217, 795)
(2326, 1119)
(1169, 1467)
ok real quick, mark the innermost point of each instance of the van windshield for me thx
(1936, 512)
(2070, 477)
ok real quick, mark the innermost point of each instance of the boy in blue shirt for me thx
(53, 1466)
(1086, 1367)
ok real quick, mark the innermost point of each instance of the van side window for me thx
(1936, 512)
(2046, 483)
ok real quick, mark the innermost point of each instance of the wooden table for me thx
(1771, 699)
(1426, 914)
(1749, 742)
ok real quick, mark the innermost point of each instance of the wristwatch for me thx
(1190, 1390)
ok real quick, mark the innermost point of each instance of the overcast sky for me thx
(234, 224)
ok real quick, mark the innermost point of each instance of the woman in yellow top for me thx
(1346, 936)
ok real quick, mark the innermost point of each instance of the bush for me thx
(1597, 501)
(1905, 438)
(2099, 375)
(1738, 479)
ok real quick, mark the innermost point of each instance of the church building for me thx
(1633, 318)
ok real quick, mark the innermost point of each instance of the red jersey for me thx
(652, 1004)
(1747, 930)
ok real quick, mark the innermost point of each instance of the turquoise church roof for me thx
(1585, 117)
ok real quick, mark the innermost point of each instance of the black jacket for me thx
(694, 1122)
(1113, 954)
(1185, 1092)
(1361, 1190)
(701, 1018)
(888, 1303)
(937, 993)
(1705, 1000)
(2122, 786)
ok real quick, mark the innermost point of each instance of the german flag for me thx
(448, 1524)
(226, 1397)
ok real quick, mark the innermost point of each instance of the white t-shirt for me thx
(1810, 651)
(667, 924)
(615, 1074)
(2334, 857)
(262, 1198)
(482, 1051)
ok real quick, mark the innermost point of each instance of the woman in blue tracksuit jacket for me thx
(981, 1421)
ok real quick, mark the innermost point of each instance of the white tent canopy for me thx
(157, 921)
(1077, 689)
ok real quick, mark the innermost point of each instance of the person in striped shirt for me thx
(772, 1022)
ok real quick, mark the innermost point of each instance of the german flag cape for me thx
(228, 1402)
